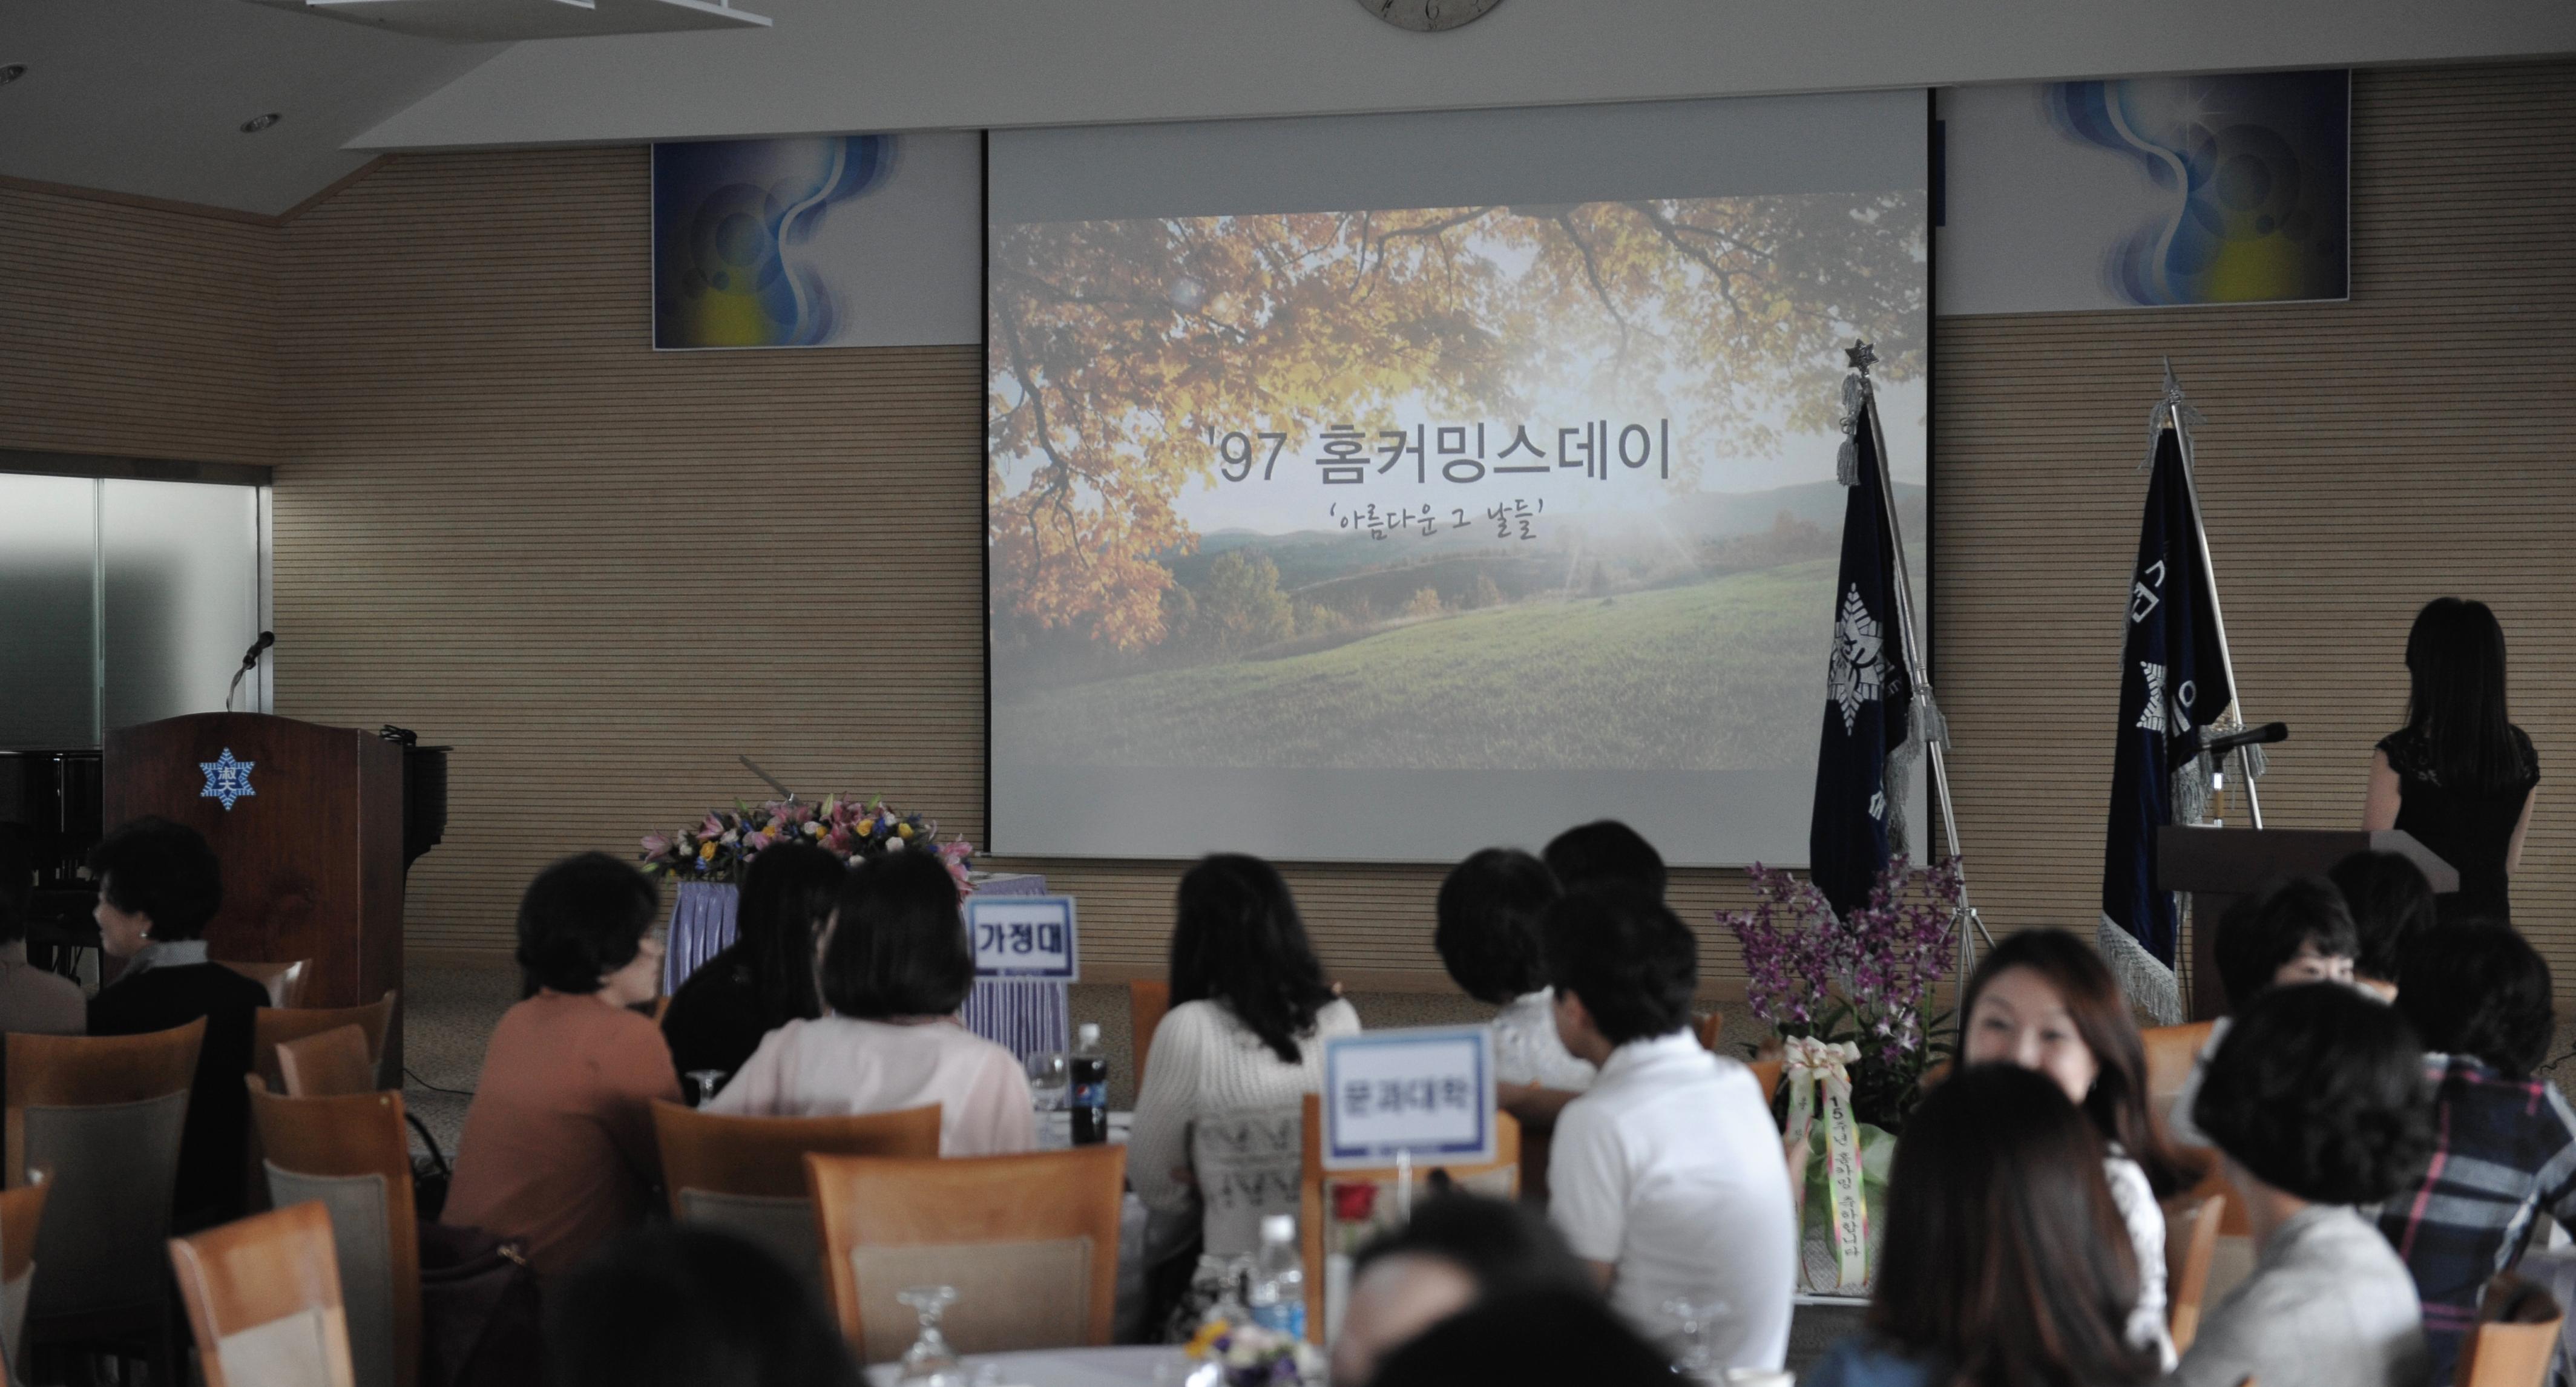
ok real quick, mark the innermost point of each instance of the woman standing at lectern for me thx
(2459, 775)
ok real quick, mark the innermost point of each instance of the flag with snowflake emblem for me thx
(2173, 681)
(1867, 699)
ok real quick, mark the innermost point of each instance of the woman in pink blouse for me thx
(896, 966)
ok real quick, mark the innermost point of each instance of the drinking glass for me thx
(1696, 1357)
(1049, 1072)
(930, 1362)
(703, 1084)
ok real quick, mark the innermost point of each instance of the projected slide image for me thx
(1509, 487)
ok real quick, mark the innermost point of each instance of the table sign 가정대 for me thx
(1425, 1092)
(1023, 938)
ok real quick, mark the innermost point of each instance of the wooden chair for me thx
(2171, 1052)
(2516, 1341)
(2191, 1244)
(263, 1298)
(284, 981)
(333, 1062)
(1311, 1178)
(1147, 1000)
(272, 1027)
(351, 1153)
(1030, 1242)
(103, 1115)
(1767, 1074)
(1709, 1027)
(747, 1174)
(22, 1218)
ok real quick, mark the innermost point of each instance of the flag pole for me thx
(1917, 678)
(2217, 619)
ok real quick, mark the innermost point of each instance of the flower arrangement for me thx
(1248, 1355)
(721, 846)
(1865, 978)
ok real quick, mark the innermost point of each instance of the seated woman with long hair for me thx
(2006, 1262)
(765, 978)
(1242, 1041)
(2044, 1000)
(895, 969)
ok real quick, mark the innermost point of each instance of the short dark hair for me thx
(690, 1306)
(2005, 1255)
(1605, 852)
(2478, 988)
(1504, 1244)
(1487, 930)
(2390, 902)
(900, 948)
(1237, 940)
(1548, 1335)
(582, 919)
(18, 862)
(165, 870)
(2320, 1092)
(2266, 929)
(1633, 963)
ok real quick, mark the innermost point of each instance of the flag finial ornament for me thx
(2170, 404)
(1855, 404)
(1862, 356)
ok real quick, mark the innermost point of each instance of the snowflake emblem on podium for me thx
(1851, 678)
(226, 779)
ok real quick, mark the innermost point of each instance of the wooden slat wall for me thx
(140, 331)
(603, 572)
(2359, 459)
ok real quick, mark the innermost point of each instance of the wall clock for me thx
(1428, 16)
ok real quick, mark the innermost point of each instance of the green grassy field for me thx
(1717, 675)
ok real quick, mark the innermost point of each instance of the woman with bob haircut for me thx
(1486, 929)
(2459, 775)
(2006, 1262)
(558, 1149)
(896, 967)
(2479, 998)
(2044, 1000)
(1250, 1008)
(765, 979)
(2316, 1102)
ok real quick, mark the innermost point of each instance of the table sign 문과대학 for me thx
(1024, 938)
(1425, 1092)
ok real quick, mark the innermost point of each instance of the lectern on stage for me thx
(308, 822)
(2217, 866)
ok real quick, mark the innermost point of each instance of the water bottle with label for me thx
(1090, 1066)
(1278, 1293)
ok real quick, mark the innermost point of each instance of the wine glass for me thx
(1692, 1321)
(930, 1362)
(703, 1084)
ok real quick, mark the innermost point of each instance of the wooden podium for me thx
(308, 822)
(2218, 866)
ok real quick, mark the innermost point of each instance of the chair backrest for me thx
(747, 1174)
(333, 1062)
(1310, 1193)
(284, 981)
(1029, 1241)
(1709, 1026)
(352, 1152)
(1147, 1000)
(22, 1217)
(2516, 1340)
(1767, 1074)
(103, 1115)
(272, 1027)
(2171, 1052)
(2191, 1245)
(263, 1298)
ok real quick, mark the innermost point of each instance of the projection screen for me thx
(1380, 488)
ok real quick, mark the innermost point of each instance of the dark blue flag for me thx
(1860, 785)
(2173, 680)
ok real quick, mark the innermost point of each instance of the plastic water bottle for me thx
(1090, 1073)
(1278, 1293)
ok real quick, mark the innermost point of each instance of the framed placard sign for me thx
(1027, 938)
(1426, 1092)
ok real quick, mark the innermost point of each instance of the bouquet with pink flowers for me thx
(1866, 977)
(718, 848)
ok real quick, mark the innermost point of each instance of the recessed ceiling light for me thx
(12, 73)
(256, 124)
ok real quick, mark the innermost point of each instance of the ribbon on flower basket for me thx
(1808, 1066)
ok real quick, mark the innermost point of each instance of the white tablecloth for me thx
(1068, 1367)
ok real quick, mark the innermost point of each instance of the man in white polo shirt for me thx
(1667, 1176)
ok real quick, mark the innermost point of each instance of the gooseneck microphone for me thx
(250, 661)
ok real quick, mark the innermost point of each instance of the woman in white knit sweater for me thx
(1218, 1123)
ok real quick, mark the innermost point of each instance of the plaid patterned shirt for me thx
(2505, 1151)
